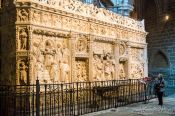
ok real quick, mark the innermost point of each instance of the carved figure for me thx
(23, 15)
(23, 39)
(65, 71)
(81, 46)
(98, 68)
(36, 16)
(23, 73)
(122, 74)
(65, 51)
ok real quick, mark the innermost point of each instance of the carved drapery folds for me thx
(23, 39)
(23, 72)
(50, 58)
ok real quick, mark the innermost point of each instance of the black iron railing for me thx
(71, 99)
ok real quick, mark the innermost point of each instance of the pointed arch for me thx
(160, 60)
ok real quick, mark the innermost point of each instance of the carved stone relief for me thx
(137, 70)
(103, 67)
(23, 72)
(137, 54)
(50, 59)
(23, 39)
(102, 48)
(122, 49)
(122, 72)
(23, 15)
(82, 44)
(81, 74)
(36, 16)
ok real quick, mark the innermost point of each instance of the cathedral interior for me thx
(72, 57)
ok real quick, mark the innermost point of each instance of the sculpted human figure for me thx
(81, 45)
(121, 71)
(65, 51)
(109, 66)
(65, 71)
(23, 15)
(23, 39)
(55, 72)
(49, 53)
(23, 73)
(98, 68)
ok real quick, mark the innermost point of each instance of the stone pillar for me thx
(116, 57)
(72, 56)
(32, 79)
(129, 62)
(145, 62)
(90, 58)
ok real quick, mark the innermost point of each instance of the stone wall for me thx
(160, 23)
(60, 41)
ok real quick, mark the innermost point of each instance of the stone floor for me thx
(141, 109)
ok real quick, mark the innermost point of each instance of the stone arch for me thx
(160, 60)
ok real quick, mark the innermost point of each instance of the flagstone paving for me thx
(151, 108)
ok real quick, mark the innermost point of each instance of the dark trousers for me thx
(160, 97)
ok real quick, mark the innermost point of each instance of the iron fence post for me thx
(37, 98)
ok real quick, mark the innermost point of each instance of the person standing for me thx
(160, 88)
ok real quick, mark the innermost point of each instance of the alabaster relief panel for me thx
(50, 59)
(103, 62)
(81, 70)
(82, 46)
(36, 16)
(137, 54)
(22, 15)
(137, 70)
(137, 65)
